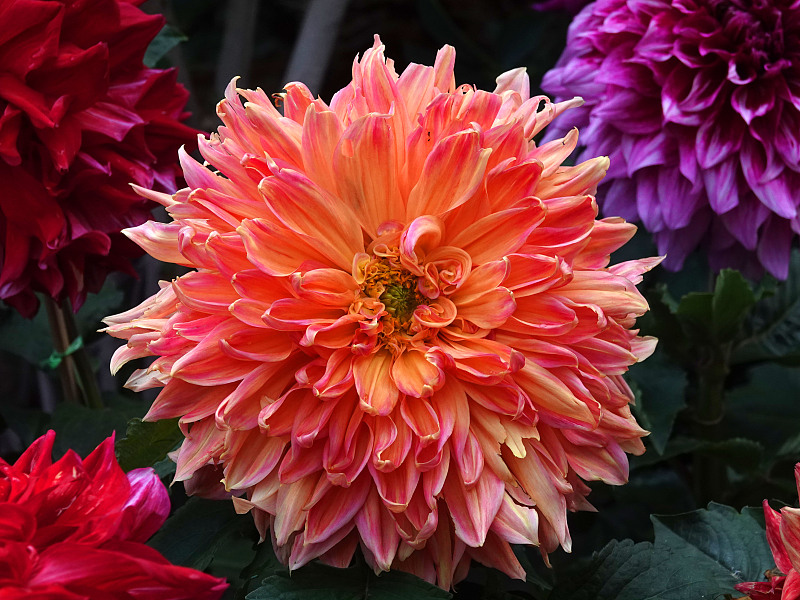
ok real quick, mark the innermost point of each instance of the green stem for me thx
(709, 471)
(83, 366)
(61, 341)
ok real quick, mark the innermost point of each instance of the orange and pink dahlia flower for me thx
(402, 331)
(74, 530)
(783, 536)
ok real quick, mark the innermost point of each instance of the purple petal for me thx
(619, 199)
(775, 246)
(758, 162)
(647, 199)
(787, 138)
(646, 151)
(678, 201)
(752, 101)
(717, 139)
(744, 221)
(678, 244)
(778, 197)
(147, 507)
(721, 186)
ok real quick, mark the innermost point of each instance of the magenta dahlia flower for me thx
(697, 103)
(74, 529)
(81, 118)
(402, 331)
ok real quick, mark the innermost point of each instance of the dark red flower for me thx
(81, 118)
(73, 530)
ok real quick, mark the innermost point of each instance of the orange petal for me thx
(415, 375)
(366, 166)
(378, 531)
(473, 509)
(377, 391)
(452, 172)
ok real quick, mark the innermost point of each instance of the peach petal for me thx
(421, 418)
(473, 509)
(452, 172)
(329, 287)
(335, 509)
(158, 240)
(378, 532)
(415, 375)
(306, 209)
(396, 487)
(204, 441)
(287, 249)
(366, 165)
(377, 391)
(321, 133)
(500, 233)
(250, 456)
(290, 509)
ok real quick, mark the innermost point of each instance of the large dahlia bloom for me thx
(402, 330)
(80, 118)
(697, 102)
(783, 535)
(74, 530)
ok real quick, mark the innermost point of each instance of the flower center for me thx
(396, 288)
(757, 28)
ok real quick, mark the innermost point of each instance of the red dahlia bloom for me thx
(783, 535)
(73, 530)
(80, 118)
(403, 330)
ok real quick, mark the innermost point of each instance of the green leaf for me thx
(717, 317)
(696, 314)
(735, 541)
(27, 338)
(166, 40)
(774, 324)
(733, 299)
(192, 535)
(320, 582)
(81, 428)
(145, 444)
(701, 554)
(766, 408)
(662, 387)
(741, 454)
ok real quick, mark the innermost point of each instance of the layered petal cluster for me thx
(74, 530)
(697, 102)
(402, 331)
(80, 118)
(783, 535)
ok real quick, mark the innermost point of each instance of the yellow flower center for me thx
(397, 289)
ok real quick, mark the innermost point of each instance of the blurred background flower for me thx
(698, 106)
(403, 330)
(76, 529)
(81, 117)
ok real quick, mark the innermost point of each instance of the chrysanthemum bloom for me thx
(783, 535)
(698, 105)
(402, 331)
(80, 118)
(74, 529)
